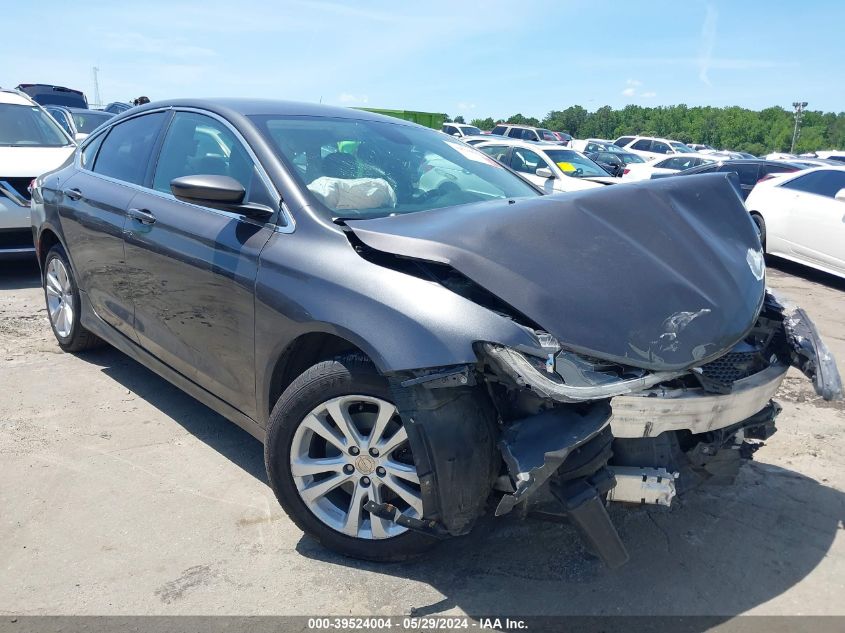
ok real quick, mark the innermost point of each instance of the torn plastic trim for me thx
(524, 373)
(533, 448)
(811, 355)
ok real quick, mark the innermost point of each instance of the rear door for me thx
(816, 220)
(93, 205)
(194, 267)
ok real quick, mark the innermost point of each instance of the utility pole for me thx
(798, 106)
(96, 87)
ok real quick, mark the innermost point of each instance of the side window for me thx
(499, 129)
(529, 135)
(644, 145)
(747, 173)
(196, 144)
(89, 152)
(61, 119)
(623, 141)
(496, 151)
(526, 161)
(809, 183)
(449, 129)
(660, 148)
(669, 163)
(125, 152)
(775, 169)
(515, 132)
(821, 183)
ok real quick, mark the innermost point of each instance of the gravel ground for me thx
(122, 495)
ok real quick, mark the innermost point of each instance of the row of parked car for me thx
(795, 201)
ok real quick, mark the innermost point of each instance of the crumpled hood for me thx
(16, 162)
(663, 275)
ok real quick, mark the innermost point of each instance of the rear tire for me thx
(61, 295)
(760, 223)
(291, 444)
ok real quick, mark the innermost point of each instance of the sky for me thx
(477, 59)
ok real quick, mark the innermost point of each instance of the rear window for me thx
(88, 121)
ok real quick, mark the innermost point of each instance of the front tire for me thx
(63, 304)
(334, 441)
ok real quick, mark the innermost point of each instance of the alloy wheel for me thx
(349, 450)
(59, 297)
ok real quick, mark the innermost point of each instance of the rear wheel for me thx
(63, 304)
(335, 441)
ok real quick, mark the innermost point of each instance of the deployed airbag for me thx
(354, 193)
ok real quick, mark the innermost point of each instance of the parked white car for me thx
(549, 166)
(672, 164)
(31, 143)
(801, 217)
(460, 129)
(650, 147)
(587, 145)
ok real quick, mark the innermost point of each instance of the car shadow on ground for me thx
(206, 425)
(18, 274)
(719, 551)
(783, 267)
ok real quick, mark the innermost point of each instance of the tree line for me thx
(735, 128)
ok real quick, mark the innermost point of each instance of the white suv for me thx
(31, 143)
(650, 148)
(460, 129)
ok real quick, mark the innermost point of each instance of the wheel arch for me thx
(302, 352)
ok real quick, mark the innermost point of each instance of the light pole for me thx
(798, 106)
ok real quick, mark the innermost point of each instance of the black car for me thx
(614, 162)
(412, 328)
(46, 94)
(749, 171)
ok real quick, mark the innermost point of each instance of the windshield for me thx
(29, 126)
(366, 169)
(469, 130)
(574, 164)
(615, 149)
(680, 148)
(87, 122)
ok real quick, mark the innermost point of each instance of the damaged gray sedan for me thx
(411, 328)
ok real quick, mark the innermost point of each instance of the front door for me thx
(193, 268)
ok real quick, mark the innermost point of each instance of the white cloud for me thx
(708, 43)
(463, 106)
(629, 92)
(345, 97)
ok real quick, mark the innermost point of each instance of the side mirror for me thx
(840, 195)
(544, 172)
(220, 192)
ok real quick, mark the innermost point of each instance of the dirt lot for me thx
(121, 495)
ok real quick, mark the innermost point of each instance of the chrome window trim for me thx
(284, 211)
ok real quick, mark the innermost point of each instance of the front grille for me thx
(733, 366)
(15, 238)
(18, 185)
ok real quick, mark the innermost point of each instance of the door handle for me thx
(142, 215)
(73, 194)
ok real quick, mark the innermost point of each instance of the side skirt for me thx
(99, 327)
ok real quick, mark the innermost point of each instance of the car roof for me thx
(533, 145)
(521, 126)
(14, 97)
(460, 124)
(227, 106)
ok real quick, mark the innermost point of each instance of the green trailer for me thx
(434, 120)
